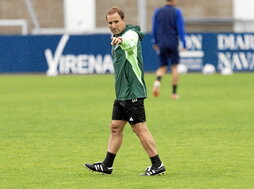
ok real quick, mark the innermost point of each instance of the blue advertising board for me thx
(88, 54)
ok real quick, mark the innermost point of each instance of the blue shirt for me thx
(168, 27)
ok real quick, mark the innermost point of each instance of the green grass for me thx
(49, 127)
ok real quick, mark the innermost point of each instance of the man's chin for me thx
(116, 32)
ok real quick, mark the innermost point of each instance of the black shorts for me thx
(132, 111)
(169, 54)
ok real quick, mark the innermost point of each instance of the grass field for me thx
(49, 127)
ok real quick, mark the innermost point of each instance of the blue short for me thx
(167, 55)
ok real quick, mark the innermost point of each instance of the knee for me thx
(115, 129)
(134, 130)
(139, 130)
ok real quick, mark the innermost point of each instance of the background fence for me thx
(53, 17)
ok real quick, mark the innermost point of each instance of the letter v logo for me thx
(53, 61)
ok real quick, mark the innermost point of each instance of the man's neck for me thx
(171, 3)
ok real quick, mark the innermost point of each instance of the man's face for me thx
(115, 23)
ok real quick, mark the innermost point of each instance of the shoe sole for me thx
(162, 173)
(156, 94)
(95, 171)
(159, 174)
(175, 97)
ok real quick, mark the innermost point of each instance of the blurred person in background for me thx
(167, 29)
(130, 94)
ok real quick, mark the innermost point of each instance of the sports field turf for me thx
(49, 127)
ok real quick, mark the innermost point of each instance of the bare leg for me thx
(116, 135)
(145, 138)
(175, 75)
(161, 71)
(175, 79)
(156, 86)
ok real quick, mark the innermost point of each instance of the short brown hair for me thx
(113, 10)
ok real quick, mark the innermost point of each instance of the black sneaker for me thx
(152, 171)
(99, 167)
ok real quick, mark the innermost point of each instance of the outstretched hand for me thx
(156, 48)
(183, 49)
(116, 40)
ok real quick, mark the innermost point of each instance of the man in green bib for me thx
(130, 91)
